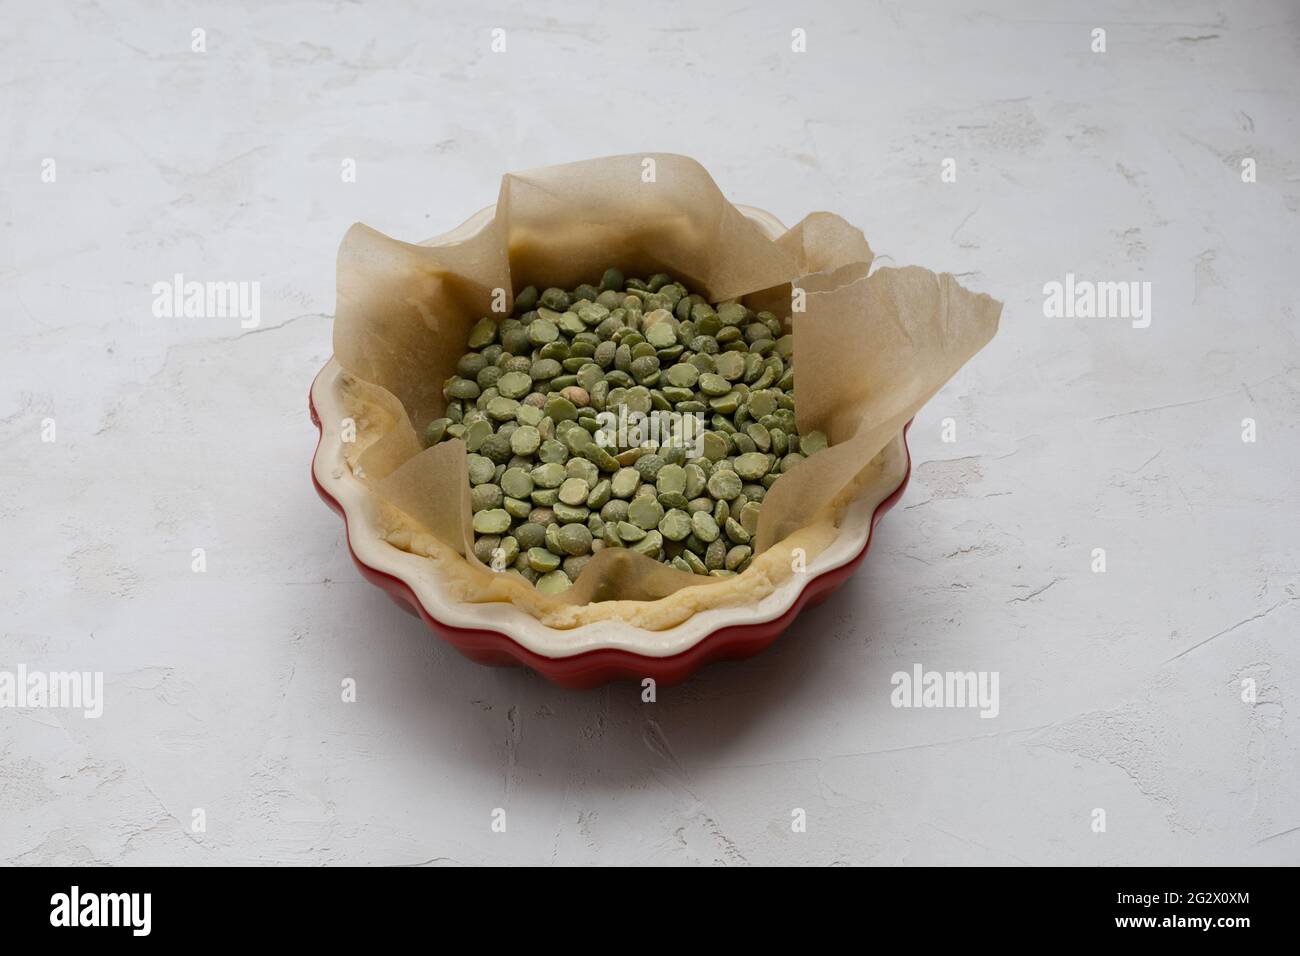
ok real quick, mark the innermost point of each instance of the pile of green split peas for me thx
(528, 397)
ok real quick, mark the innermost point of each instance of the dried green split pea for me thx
(547, 496)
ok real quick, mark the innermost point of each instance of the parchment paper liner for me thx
(870, 348)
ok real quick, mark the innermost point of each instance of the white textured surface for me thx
(223, 688)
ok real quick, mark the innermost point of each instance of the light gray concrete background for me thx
(1120, 690)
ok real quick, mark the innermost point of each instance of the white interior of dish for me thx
(331, 470)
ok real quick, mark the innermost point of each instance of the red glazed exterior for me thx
(593, 668)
